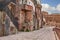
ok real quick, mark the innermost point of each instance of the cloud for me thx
(47, 7)
(58, 7)
(50, 9)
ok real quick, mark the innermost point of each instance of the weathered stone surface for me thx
(38, 13)
(29, 20)
(26, 18)
(42, 34)
(1, 24)
(21, 19)
(12, 29)
(28, 7)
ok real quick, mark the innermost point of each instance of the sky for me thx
(51, 6)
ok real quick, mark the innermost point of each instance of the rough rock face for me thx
(1, 24)
(6, 25)
(38, 16)
(24, 16)
(4, 3)
(27, 18)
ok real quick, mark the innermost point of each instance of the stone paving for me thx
(43, 34)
